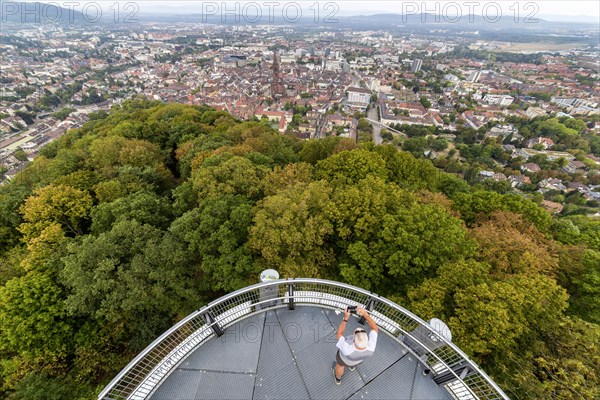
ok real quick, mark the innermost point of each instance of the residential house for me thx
(573, 166)
(518, 180)
(530, 167)
(552, 184)
(544, 142)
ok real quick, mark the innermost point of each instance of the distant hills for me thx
(415, 22)
(79, 13)
(505, 29)
(101, 12)
(380, 21)
(395, 20)
(36, 13)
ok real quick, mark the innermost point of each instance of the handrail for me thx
(149, 368)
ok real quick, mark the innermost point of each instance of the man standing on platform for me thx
(354, 349)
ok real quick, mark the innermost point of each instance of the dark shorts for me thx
(341, 362)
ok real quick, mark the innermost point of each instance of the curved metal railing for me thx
(449, 366)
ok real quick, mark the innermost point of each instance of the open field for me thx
(535, 47)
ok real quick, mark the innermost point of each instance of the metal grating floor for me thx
(287, 354)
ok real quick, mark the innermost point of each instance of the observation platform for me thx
(277, 340)
(287, 354)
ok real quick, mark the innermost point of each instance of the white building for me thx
(359, 97)
(416, 65)
(497, 99)
(474, 76)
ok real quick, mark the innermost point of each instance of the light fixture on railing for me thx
(429, 335)
(268, 292)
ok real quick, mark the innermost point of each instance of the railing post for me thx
(370, 306)
(214, 325)
(459, 369)
(290, 296)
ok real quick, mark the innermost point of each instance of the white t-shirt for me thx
(352, 356)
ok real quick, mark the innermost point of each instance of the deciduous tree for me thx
(512, 245)
(55, 204)
(134, 279)
(351, 167)
(216, 234)
(227, 174)
(291, 230)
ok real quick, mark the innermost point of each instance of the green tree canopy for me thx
(216, 234)
(33, 317)
(291, 229)
(507, 326)
(228, 174)
(351, 166)
(480, 204)
(60, 204)
(143, 207)
(314, 151)
(407, 171)
(387, 240)
(133, 278)
(123, 226)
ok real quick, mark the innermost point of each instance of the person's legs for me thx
(337, 380)
(339, 370)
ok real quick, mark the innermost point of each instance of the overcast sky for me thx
(558, 8)
(553, 10)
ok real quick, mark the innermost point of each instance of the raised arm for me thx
(364, 313)
(342, 327)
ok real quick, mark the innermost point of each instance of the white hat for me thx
(361, 340)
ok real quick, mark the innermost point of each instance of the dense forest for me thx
(124, 226)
